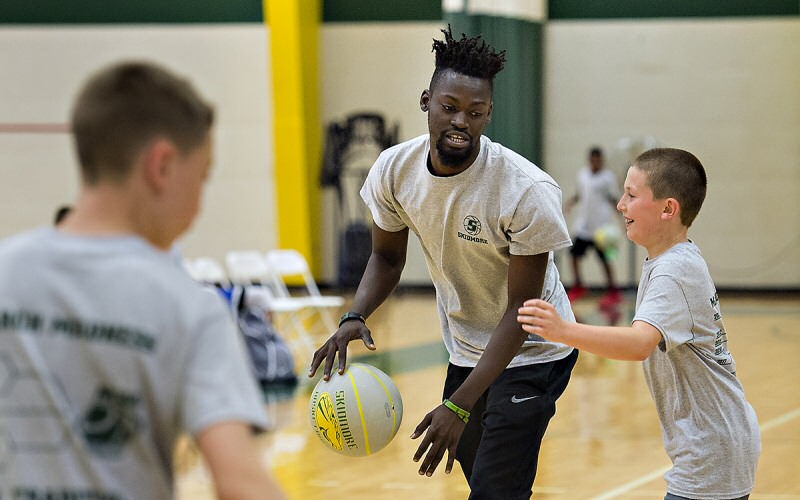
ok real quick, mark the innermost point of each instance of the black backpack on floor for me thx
(272, 360)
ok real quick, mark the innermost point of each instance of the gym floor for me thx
(603, 443)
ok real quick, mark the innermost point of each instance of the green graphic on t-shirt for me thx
(110, 422)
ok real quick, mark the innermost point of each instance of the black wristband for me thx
(351, 315)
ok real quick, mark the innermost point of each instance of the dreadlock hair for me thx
(468, 56)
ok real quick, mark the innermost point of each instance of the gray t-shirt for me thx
(108, 353)
(710, 431)
(469, 224)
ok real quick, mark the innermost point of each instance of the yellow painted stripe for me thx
(388, 395)
(360, 411)
(294, 34)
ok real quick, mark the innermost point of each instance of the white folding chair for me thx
(207, 270)
(249, 268)
(288, 264)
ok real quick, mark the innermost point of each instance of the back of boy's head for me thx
(467, 56)
(675, 173)
(123, 107)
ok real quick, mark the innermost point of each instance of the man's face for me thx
(459, 108)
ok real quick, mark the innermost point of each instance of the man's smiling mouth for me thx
(457, 139)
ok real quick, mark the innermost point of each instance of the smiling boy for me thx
(710, 431)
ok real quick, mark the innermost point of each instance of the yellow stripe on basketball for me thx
(360, 411)
(388, 395)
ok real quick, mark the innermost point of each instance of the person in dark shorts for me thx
(595, 197)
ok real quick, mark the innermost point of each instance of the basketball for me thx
(608, 238)
(356, 413)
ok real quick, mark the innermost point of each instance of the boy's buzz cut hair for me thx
(675, 173)
(468, 56)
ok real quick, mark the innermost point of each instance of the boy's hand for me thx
(540, 318)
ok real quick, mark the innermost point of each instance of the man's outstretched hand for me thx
(349, 331)
(444, 429)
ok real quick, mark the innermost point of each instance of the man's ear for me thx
(425, 100)
(489, 114)
(671, 208)
(157, 162)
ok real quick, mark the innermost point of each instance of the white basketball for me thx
(356, 413)
(608, 237)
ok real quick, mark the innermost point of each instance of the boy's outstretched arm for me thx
(634, 343)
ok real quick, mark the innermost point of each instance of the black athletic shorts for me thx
(499, 449)
(580, 246)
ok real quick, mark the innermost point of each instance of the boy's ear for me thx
(671, 208)
(157, 161)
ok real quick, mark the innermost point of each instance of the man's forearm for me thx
(504, 344)
(379, 281)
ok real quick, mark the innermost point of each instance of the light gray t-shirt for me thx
(710, 431)
(108, 353)
(469, 224)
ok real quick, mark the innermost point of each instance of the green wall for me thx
(251, 11)
(616, 9)
(203, 11)
(381, 10)
(130, 11)
(517, 107)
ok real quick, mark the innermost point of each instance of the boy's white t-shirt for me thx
(595, 208)
(710, 431)
(468, 225)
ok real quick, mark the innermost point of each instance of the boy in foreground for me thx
(111, 351)
(710, 431)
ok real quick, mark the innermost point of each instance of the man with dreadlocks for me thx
(489, 221)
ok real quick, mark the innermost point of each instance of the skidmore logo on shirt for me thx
(472, 226)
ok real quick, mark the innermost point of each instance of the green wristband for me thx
(462, 413)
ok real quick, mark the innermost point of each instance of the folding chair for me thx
(249, 268)
(207, 270)
(287, 264)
